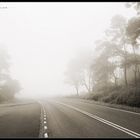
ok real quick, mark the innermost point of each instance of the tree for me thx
(135, 5)
(73, 75)
(9, 89)
(86, 57)
(78, 72)
(8, 86)
(117, 34)
(102, 66)
(133, 32)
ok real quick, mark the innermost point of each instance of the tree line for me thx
(112, 72)
(8, 86)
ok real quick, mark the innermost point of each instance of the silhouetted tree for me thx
(78, 72)
(133, 32)
(8, 86)
(117, 35)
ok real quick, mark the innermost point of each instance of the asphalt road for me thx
(67, 118)
(19, 120)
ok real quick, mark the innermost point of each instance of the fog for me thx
(42, 38)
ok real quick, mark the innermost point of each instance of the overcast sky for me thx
(43, 37)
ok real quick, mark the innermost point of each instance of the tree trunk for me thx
(135, 71)
(138, 72)
(125, 67)
(89, 82)
(115, 79)
(77, 91)
(135, 75)
(125, 76)
(88, 89)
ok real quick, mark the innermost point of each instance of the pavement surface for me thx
(67, 118)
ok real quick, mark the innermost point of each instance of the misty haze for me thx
(70, 70)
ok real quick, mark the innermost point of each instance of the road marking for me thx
(123, 110)
(45, 127)
(43, 117)
(46, 135)
(114, 108)
(130, 132)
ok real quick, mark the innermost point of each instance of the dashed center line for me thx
(45, 127)
(46, 135)
(43, 120)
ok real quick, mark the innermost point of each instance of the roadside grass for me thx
(118, 97)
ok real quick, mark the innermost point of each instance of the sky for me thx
(42, 38)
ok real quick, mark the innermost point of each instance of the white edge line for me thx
(130, 132)
(113, 108)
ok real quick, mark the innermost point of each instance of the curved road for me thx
(67, 118)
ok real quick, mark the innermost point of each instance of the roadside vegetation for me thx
(8, 86)
(111, 72)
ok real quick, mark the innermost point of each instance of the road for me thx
(67, 118)
(19, 120)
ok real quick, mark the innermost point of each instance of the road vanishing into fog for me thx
(66, 118)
